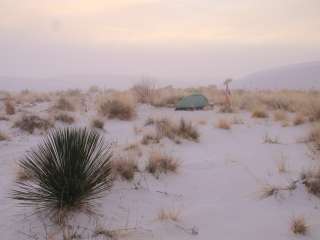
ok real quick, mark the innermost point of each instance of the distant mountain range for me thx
(303, 76)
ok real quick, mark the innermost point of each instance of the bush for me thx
(97, 123)
(298, 119)
(314, 135)
(223, 124)
(63, 117)
(161, 163)
(125, 167)
(299, 226)
(144, 91)
(69, 169)
(64, 104)
(187, 130)
(117, 109)
(311, 180)
(29, 123)
(9, 108)
(259, 113)
(280, 115)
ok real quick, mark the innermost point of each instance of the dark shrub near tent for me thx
(192, 102)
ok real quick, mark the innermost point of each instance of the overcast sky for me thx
(178, 40)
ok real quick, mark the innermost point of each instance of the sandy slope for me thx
(216, 189)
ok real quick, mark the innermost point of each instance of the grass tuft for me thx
(29, 123)
(299, 226)
(161, 163)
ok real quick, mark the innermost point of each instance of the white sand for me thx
(216, 189)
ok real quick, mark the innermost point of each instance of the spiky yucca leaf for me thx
(69, 169)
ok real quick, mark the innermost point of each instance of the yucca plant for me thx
(68, 170)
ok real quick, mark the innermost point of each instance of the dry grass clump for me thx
(299, 119)
(150, 139)
(270, 140)
(3, 137)
(314, 135)
(144, 91)
(299, 226)
(280, 115)
(97, 123)
(313, 110)
(9, 107)
(64, 104)
(311, 180)
(259, 113)
(223, 124)
(119, 107)
(125, 167)
(169, 215)
(185, 130)
(29, 123)
(65, 118)
(161, 163)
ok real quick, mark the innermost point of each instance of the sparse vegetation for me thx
(3, 136)
(69, 170)
(116, 108)
(259, 113)
(223, 124)
(9, 107)
(270, 140)
(125, 167)
(161, 163)
(65, 118)
(298, 119)
(64, 104)
(169, 215)
(280, 115)
(314, 136)
(150, 139)
(29, 123)
(299, 226)
(311, 180)
(97, 123)
(144, 91)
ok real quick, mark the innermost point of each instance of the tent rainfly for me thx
(192, 102)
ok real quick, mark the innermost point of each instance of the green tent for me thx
(192, 102)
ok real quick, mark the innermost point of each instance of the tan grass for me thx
(299, 119)
(299, 226)
(280, 115)
(29, 123)
(223, 124)
(64, 104)
(9, 107)
(125, 167)
(161, 163)
(97, 123)
(169, 215)
(259, 113)
(64, 117)
(119, 106)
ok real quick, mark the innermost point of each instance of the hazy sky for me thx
(182, 40)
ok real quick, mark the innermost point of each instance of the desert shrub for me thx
(64, 104)
(314, 111)
(150, 139)
(161, 163)
(169, 215)
(97, 123)
(314, 135)
(125, 167)
(64, 117)
(311, 180)
(29, 123)
(3, 136)
(116, 108)
(68, 170)
(9, 108)
(223, 124)
(270, 140)
(299, 226)
(280, 115)
(187, 131)
(298, 119)
(144, 91)
(173, 131)
(259, 113)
